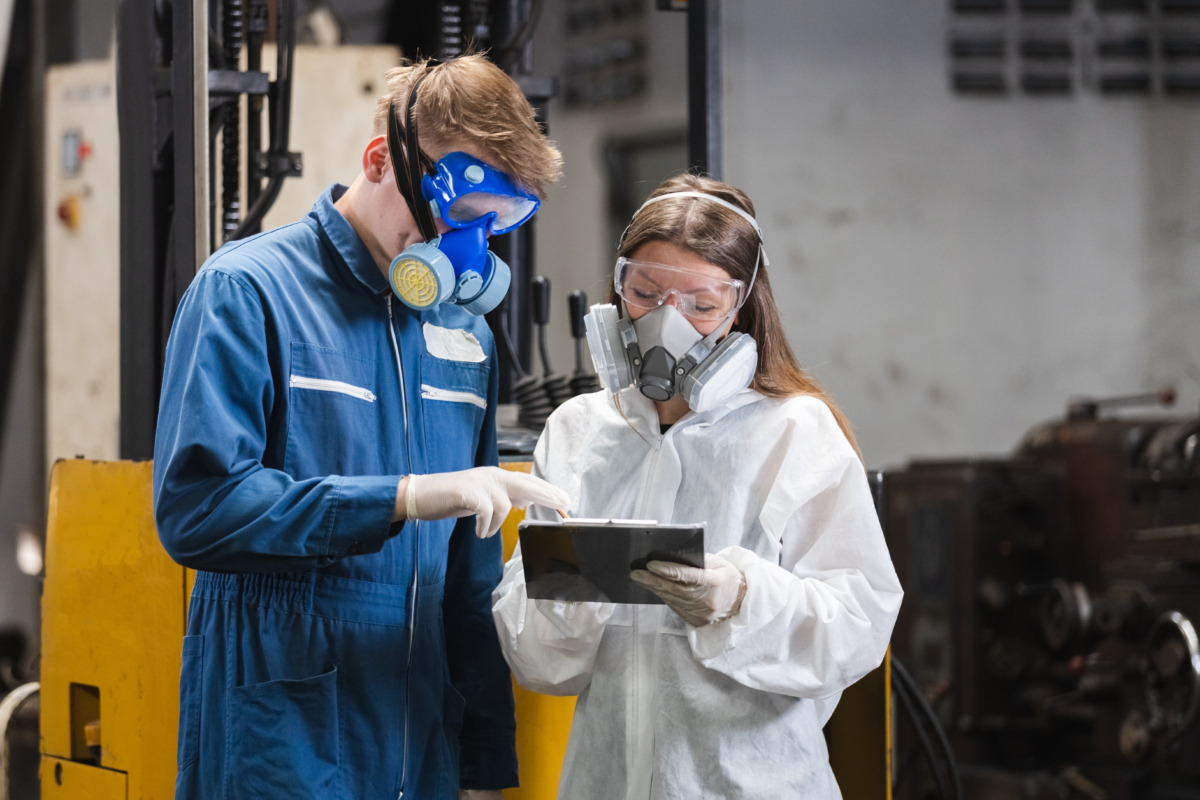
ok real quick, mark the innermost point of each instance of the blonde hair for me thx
(470, 99)
(723, 238)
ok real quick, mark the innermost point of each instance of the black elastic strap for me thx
(401, 172)
(425, 216)
(408, 174)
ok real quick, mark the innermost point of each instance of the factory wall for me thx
(954, 269)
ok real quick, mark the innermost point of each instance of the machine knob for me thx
(1172, 670)
(577, 301)
(540, 292)
(1065, 614)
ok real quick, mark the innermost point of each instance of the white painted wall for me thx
(953, 269)
(333, 110)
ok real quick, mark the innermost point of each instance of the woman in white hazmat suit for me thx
(722, 692)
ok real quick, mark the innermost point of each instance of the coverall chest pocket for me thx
(453, 404)
(333, 413)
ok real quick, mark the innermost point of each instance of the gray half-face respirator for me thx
(661, 352)
(663, 355)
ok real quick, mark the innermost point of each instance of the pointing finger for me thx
(500, 509)
(526, 489)
(483, 518)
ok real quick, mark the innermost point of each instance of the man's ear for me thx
(375, 163)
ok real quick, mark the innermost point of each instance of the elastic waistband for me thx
(327, 596)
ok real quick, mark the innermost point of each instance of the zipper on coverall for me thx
(416, 578)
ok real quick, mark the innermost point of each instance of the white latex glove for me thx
(699, 596)
(487, 492)
(480, 794)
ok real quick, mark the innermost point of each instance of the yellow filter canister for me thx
(415, 282)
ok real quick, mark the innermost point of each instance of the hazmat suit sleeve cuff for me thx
(550, 649)
(360, 520)
(762, 599)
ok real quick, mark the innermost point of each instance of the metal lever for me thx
(577, 302)
(539, 289)
(1089, 408)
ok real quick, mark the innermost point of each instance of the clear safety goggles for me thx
(644, 284)
(464, 190)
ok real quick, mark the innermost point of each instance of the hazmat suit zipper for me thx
(646, 652)
(637, 707)
(412, 611)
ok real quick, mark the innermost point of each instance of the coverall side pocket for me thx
(286, 738)
(191, 695)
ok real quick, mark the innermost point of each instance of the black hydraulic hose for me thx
(284, 58)
(910, 693)
(923, 739)
(216, 124)
(232, 28)
(260, 208)
(544, 351)
(506, 337)
(512, 49)
(256, 29)
(281, 117)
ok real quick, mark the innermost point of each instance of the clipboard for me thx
(590, 560)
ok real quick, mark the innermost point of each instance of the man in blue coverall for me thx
(336, 647)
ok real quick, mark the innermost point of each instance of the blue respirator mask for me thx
(471, 197)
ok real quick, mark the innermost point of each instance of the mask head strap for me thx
(762, 253)
(410, 161)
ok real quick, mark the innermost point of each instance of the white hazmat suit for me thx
(732, 709)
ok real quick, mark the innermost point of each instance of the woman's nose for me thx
(673, 298)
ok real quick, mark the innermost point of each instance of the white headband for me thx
(704, 196)
(762, 252)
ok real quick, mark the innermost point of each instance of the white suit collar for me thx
(642, 414)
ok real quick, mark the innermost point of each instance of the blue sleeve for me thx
(487, 741)
(217, 507)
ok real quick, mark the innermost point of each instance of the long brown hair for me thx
(721, 237)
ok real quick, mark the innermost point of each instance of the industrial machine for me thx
(1051, 604)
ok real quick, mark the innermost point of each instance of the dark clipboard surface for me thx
(591, 561)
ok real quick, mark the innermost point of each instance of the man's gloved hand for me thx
(487, 492)
(480, 794)
(700, 596)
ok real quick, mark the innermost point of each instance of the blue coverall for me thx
(308, 669)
